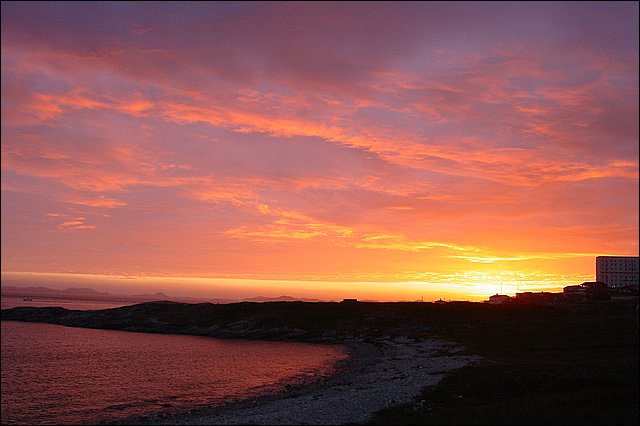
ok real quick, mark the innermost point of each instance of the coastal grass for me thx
(541, 365)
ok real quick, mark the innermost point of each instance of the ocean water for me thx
(53, 374)
(9, 301)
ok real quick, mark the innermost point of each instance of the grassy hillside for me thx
(542, 365)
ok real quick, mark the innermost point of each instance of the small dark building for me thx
(596, 290)
(574, 293)
(498, 299)
(539, 298)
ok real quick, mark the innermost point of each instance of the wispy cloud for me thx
(75, 225)
(98, 202)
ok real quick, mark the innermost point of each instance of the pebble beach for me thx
(380, 373)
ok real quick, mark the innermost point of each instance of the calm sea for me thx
(62, 375)
(8, 301)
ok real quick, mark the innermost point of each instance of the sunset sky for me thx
(386, 151)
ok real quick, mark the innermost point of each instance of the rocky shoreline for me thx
(392, 354)
(399, 348)
(380, 374)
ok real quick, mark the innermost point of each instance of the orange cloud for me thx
(74, 225)
(98, 202)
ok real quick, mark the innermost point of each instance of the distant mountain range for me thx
(280, 299)
(89, 293)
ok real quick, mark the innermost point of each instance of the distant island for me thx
(280, 299)
(91, 294)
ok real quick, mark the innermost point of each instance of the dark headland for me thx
(525, 364)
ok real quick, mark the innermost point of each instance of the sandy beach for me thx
(380, 373)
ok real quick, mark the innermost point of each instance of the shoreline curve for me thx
(380, 373)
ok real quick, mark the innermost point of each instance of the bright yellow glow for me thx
(479, 286)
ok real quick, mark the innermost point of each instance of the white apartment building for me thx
(618, 271)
